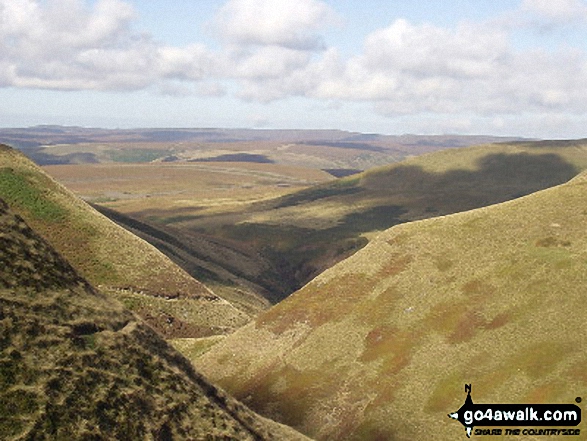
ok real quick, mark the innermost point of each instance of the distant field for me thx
(192, 188)
(319, 149)
(269, 227)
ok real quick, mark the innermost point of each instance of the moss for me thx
(18, 188)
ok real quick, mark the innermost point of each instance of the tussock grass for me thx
(75, 365)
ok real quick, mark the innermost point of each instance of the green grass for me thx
(195, 347)
(492, 297)
(21, 190)
(75, 365)
(109, 256)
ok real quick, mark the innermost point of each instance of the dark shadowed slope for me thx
(299, 235)
(74, 365)
(380, 346)
(110, 257)
(194, 253)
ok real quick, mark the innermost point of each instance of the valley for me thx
(349, 308)
(380, 345)
(271, 228)
(76, 365)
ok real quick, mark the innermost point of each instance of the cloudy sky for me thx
(503, 67)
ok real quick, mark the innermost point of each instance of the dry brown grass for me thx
(75, 365)
(294, 236)
(106, 254)
(182, 188)
(492, 297)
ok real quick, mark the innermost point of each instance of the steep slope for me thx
(193, 252)
(301, 234)
(74, 365)
(118, 262)
(380, 346)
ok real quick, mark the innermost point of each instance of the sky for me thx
(487, 67)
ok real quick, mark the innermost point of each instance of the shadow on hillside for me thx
(499, 177)
(393, 195)
(528, 173)
(40, 157)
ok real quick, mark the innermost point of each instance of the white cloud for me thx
(407, 69)
(467, 52)
(65, 44)
(274, 22)
(557, 11)
(404, 69)
(269, 62)
(193, 62)
(35, 29)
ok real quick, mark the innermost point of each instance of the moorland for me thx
(269, 228)
(377, 274)
(76, 365)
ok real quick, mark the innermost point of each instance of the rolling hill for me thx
(118, 262)
(330, 149)
(379, 346)
(75, 365)
(297, 236)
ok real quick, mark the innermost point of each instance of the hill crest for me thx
(112, 258)
(380, 345)
(76, 365)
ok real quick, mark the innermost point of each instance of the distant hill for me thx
(330, 149)
(380, 346)
(74, 365)
(121, 264)
(303, 233)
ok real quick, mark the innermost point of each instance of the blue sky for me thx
(499, 67)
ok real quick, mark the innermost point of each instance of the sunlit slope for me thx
(381, 345)
(303, 233)
(74, 365)
(112, 258)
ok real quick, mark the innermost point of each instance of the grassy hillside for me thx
(192, 252)
(301, 234)
(118, 262)
(168, 190)
(75, 365)
(379, 346)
